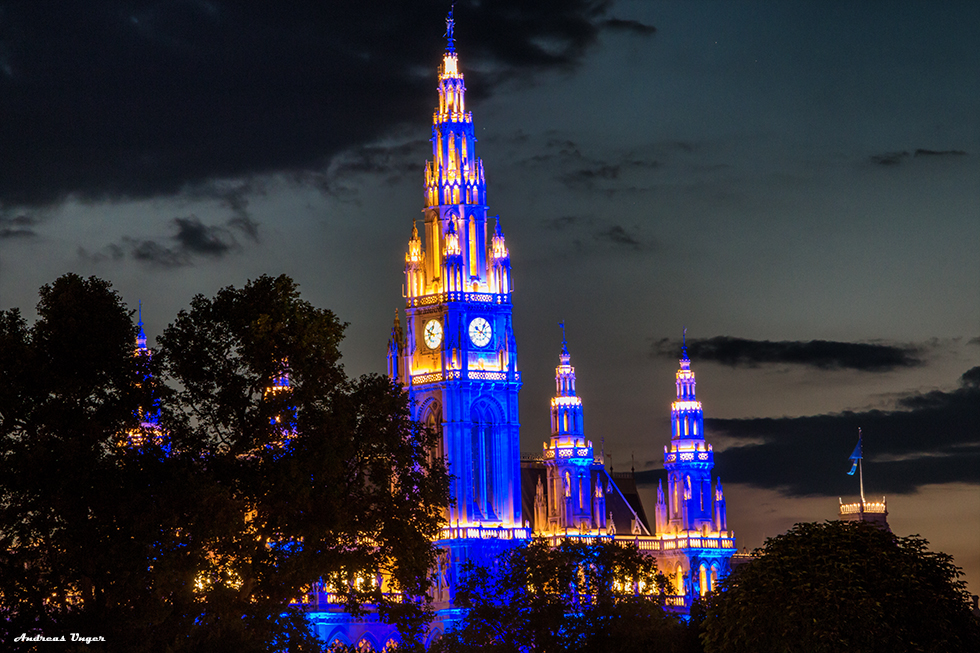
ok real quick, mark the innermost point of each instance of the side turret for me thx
(499, 271)
(395, 346)
(690, 503)
(568, 457)
(721, 517)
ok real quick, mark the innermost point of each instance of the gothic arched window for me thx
(484, 453)
(432, 419)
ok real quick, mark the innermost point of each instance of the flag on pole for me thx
(856, 456)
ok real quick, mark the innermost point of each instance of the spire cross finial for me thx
(450, 27)
(562, 325)
(140, 322)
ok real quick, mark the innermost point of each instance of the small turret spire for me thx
(564, 357)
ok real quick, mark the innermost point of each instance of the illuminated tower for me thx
(569, 459)
(149, 416)
(458, 356)
(283, 421)
(689, 505)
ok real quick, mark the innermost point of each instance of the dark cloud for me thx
(585, 178)
(822, 354)
(634, 26)
(939, 153)
(194, 237)
(111, 252)
(561, 223)
(928, 438)
(133, 98)
(245, 225)
(236, 199)
(391, 162)
(616, 234)
(18, 226)
(889, 158)
(599, 174)
(150, 251)
(586, 232)
(894, 158)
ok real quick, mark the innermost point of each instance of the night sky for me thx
(796, 183)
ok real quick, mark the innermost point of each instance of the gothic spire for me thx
(141, 337)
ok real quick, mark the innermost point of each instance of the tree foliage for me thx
(575, 597)
(200, 541)
(842, 586)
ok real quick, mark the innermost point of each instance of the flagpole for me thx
(861, 468)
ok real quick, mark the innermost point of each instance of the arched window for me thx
(433, 422)
(365, 646)
(703, 578)
(474, 270)
(483, 449)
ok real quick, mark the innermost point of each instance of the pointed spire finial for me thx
(684, 343)
(141, 336)
(565, 356)
(450, 28)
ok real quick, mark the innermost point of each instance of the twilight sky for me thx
(796, 183)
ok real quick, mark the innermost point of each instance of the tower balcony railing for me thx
(878, 507)
(652, 543)
(480, 298)
(484, 532)
(689, 457)
(589, 537)
(661, 544)
(471, 375)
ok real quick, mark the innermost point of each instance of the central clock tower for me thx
(457, 356)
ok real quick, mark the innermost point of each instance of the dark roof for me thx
(622, 515)
(618, 503)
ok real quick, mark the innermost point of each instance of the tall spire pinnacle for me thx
(141, 336)
(684, 344)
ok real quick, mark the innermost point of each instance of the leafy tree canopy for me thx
(575, 597)
(842, 586)
(272, 470)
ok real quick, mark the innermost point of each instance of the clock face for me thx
(433, 334)
(480, 332)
